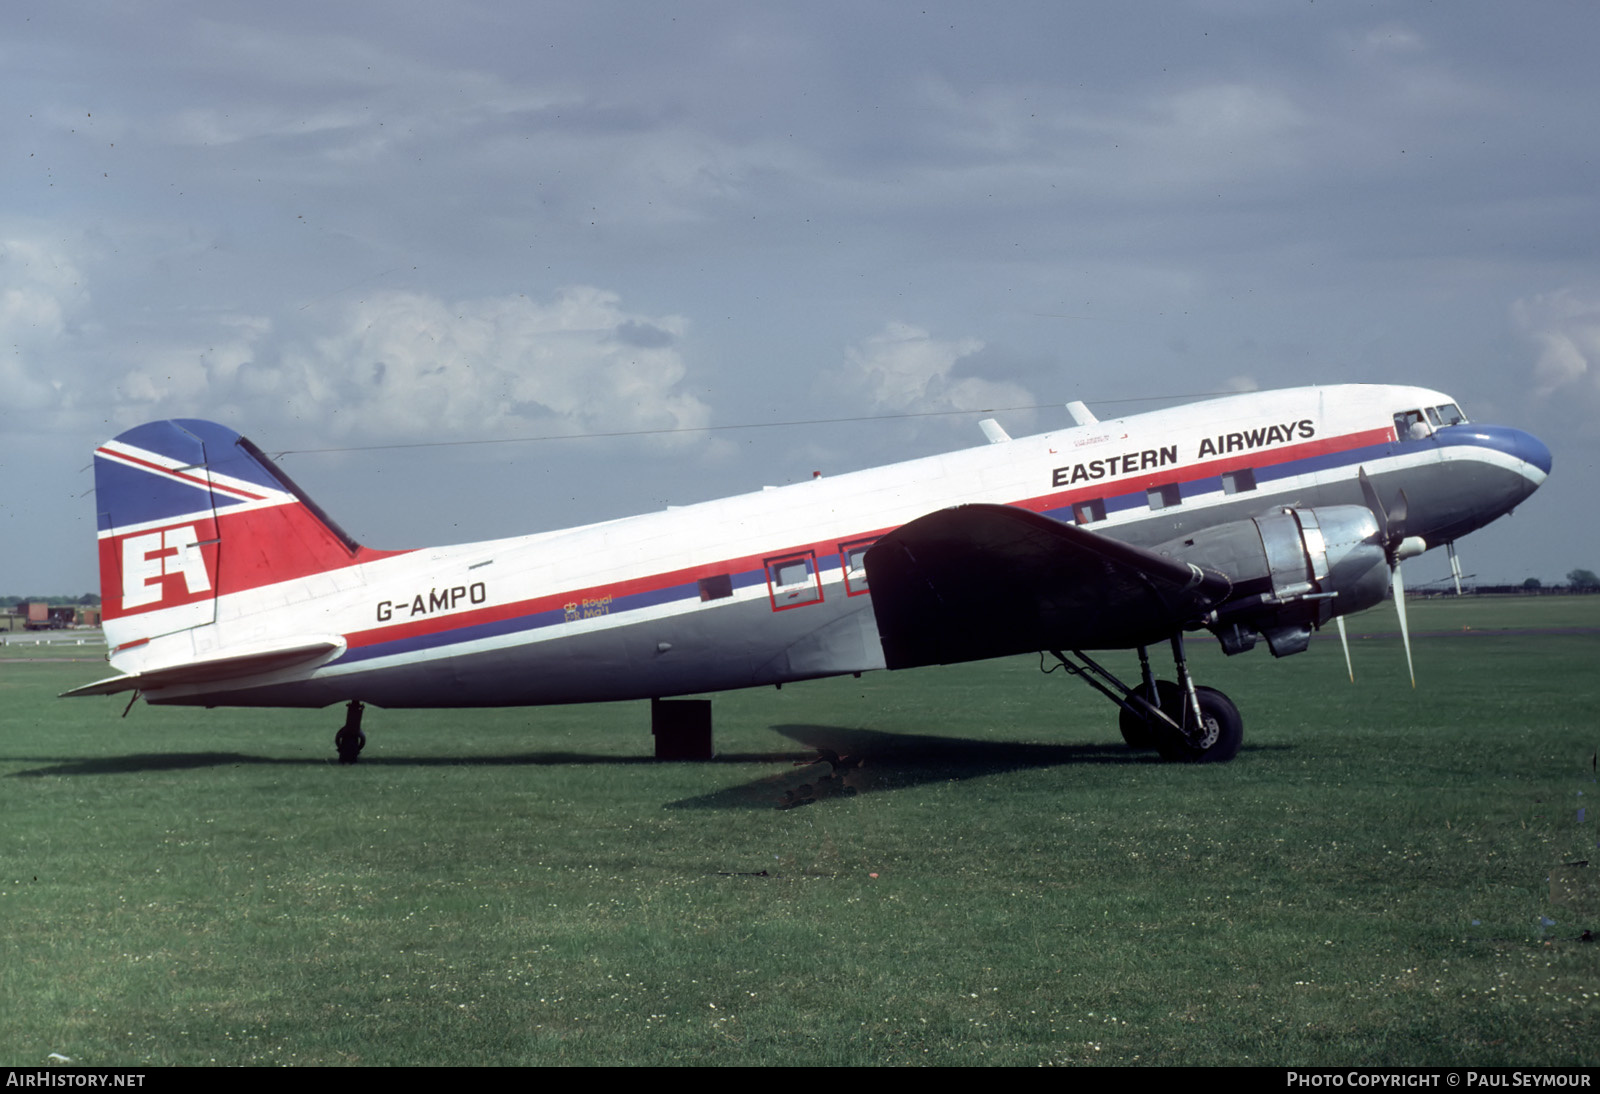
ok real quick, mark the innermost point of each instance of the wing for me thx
(982, 581)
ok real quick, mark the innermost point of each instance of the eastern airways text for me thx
(1128, 463)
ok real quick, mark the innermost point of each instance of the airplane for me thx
(1255, 517)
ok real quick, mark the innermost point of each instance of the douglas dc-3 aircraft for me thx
(1256, 516)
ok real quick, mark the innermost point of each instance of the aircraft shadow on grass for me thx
(853, 761)
(141, 762)
(837, 761)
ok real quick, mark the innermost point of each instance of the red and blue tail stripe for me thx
(190, 511)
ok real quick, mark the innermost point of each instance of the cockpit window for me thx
(1416, 425)
(1410, 425)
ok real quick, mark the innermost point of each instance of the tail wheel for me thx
(1220, 734)
(1142, 733)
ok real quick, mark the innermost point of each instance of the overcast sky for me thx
(358, 224)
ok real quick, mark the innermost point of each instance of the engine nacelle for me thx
(1292, 571)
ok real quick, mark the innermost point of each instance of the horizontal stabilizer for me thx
(982, 581)
(211, 669)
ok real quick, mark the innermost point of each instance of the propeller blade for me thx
(1405, 630)
(1344, 640)
(1370, 494)
(1397, 545)
(1455, 564)
(1397, 516)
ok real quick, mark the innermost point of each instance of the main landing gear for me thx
(1185, 723)
(350, 740)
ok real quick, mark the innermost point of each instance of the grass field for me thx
(1382, 877)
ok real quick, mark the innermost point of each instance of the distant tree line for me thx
(1578, 581)
(87, 600)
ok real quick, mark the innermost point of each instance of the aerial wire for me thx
(725, 428)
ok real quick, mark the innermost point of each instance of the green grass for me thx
(86, 646)
(1369, 883)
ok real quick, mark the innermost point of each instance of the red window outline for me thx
(844, 564)
(795, 589)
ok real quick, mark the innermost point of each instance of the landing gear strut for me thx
(1164, 695)
(1185, 723)
(350, 740)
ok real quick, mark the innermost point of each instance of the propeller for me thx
(1400, 608)
(1398, 547)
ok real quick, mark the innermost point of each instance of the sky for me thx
(629, 241)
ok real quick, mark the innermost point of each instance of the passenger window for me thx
(1238, 482)
(791, 573)
(716, 587)
(1087, 512)
(793, 580)
(1163, 497)
(853, 560)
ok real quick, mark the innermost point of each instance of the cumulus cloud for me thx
(906, 369)
(395, 366)
(1565, 325)
(404, 364)
(193, 369)
(40, 289)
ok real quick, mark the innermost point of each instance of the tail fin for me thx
(190, 511)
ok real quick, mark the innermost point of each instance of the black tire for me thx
(1224, 732)
(349, 745)
(1141, 734)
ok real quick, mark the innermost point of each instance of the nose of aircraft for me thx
(1492, 485)
(1513, 442)
(1532, 449)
